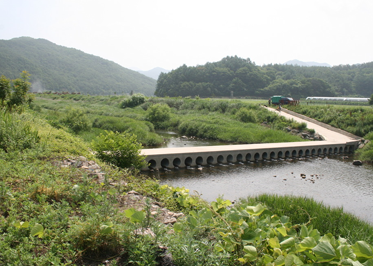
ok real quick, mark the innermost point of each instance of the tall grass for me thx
(325, 218)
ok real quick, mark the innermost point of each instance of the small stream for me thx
(333, 180)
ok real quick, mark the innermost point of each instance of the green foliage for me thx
(243, 78)
(133, 101)
(14, 94)
(158, 113)
(371, 100)
(16, 133)
(119, 149)
(246, 116)
(255, 235)
(61, 69)
(76, 120)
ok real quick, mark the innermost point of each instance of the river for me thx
(333, 180)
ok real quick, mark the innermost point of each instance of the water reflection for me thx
(173, 140)
(333, 181)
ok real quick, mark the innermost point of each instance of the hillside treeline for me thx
(61, 69)
(234, 76)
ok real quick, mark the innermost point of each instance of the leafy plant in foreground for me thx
(253, 235)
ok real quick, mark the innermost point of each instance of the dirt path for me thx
(328, 132)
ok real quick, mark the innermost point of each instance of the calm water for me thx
(333, 181)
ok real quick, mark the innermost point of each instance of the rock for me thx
(303, 176)
(357, 162)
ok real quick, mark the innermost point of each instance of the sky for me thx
(144, 34)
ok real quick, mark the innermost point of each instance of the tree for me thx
(371, 100)
(4, 89)
(14, 94)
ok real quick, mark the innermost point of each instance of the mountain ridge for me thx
(58, 68)
(297, 62)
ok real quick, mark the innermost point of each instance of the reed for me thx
(325, 218)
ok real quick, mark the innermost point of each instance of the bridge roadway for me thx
(335, 142)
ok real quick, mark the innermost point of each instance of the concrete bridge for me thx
(336, 142)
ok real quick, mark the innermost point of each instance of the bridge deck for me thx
(335, 142)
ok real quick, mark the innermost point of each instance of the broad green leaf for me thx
(350, 262)
(324, 251)
(307, 243)
(280, 260)
(234, 217)
(274, 242)
(346, 252)
(178, 227)
(251, 253)
(249, 235)
(256, 210)
(277, 252)
(192, 221)
(292, 260)
(266, 259)
(284, 219)
(218, 247)
(135, 216)
(315, 234)
(37, 230)
(20, 225)
(207, 215)
(282, 231)
(288, 242)
(368, 263)
(303, 231)
(105, 229)
(362, 250)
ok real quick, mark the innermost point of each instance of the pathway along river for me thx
(333, 180)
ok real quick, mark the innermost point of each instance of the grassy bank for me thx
(357, 120)
(225, 120)
(61, 205)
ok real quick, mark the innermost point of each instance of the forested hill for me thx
(241, 77)
(57, 68)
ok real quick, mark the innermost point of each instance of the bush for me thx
(16, 133)
(120, 149)
(133, 101)
(245, 116)
(76, 120)
(158, 113)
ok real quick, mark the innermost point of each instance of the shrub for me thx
(76, 120)
(245, 116)
(158, 113)
(133, 101)
(16, 133)
(120, 149)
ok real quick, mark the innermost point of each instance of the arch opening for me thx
(199, 160)
(220, 159)
(176, 162)
(210, 160)
(230, 158)
(280, 154)
(239, 157)
(188, 161)
(152, 164)
(248, 157)
(165, 163)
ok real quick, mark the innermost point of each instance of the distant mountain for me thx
(296, 62)
(57, 68)
(154, 73)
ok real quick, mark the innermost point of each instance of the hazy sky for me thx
(143, 34)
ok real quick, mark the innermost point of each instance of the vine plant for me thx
(252, 235)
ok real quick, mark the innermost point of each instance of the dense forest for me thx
(57, 68)
(237, 77)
